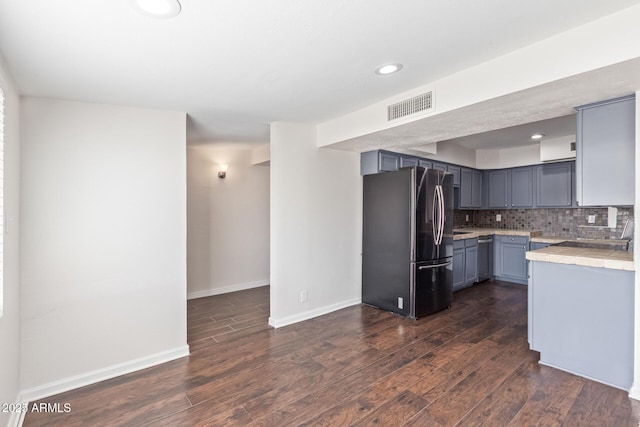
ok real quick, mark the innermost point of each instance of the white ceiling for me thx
(237, 65)
(518, 136)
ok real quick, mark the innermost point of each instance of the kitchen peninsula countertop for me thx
(603, 258)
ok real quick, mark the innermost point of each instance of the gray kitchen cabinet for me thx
(605, 153)
(510, 264)
(465, 263)
(378, 161)
(406, 161)
(538, 245)
(439, 166)
(510, 188)
(581, 320)
(521, 191)
(425, 163)
(498, 188)
(554, 185)
(455, 171)
(458, 264)
(470, 261)
(470, 188)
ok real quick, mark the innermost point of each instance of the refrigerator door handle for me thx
(435, 211)
(440, 193)
(425, 267)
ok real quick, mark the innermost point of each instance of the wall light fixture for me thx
(222, 170)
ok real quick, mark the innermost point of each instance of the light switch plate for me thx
(591, 219)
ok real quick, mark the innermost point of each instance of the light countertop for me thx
(603, 258)
(471, 233)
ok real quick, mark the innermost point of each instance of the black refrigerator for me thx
(407, 245)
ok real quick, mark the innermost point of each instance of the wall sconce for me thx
(222, 171)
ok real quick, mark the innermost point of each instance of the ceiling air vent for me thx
(410, 106)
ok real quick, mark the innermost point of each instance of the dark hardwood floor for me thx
(467, 366)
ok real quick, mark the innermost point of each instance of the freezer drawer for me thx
(433, 287)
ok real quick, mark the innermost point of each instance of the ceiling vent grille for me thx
(410, 106)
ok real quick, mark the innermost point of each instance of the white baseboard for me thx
(92, 377)
(227, 289)
(634, 392)
(585, 376)
(306, 315)
(17, 418)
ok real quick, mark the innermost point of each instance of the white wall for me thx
(635, 387)
(10, 319)
(316, 225)
(103, 242)
(228, 221)
(508, 157)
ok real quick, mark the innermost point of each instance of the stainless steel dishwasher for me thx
(485, 258)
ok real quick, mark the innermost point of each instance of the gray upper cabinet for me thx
(470, 188)
(455, 170)
(389, 162)
(439, 166)
(408, 161)
(510, 188)
(425, 164)
(554, 185)
(498, 188)
(605, 153)
(521, 187)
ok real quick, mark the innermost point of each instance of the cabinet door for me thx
(553, 185)
(476, 189)
(466, 188)
(425, 164)
(388, 162)
(606, 153)
(408, 161)
(439, 166)
(522, 187)
(510, 263)
(458, 268)
(455, 170)
(498, 189)
(471, 265)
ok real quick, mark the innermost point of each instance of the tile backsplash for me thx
(553, 222)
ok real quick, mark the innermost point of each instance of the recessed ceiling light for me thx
(537, 136)
(158, 8)
(388, 69)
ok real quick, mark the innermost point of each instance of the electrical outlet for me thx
(304, 296)
(591, 219)
(400, 303)
(498, 217)
(466, 218)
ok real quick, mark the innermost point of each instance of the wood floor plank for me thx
(466, 366)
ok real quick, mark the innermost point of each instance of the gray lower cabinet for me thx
(554, 185)
(605, 153)
(537, 245)
(510, 264)
(581, 320)
(458, 264)
(465, 263)
(471, 261)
